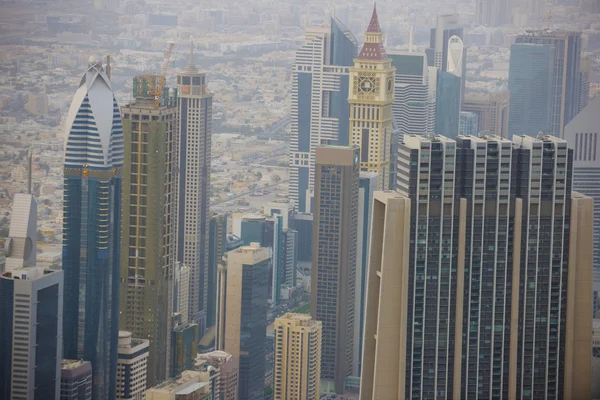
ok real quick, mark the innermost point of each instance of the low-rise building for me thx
(190, 385)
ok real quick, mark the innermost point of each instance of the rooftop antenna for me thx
(29, 163)
(191, 53)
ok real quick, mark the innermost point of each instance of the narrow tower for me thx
(91, 228)
(195, 128)
(371, 97)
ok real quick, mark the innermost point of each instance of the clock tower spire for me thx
(371, 97)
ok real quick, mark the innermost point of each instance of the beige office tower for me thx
(480, 274)
(334, 259)
(491, 110)
(246, 316)
(297, 357)
(371, 97)
(149, 221)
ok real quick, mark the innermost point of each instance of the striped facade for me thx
(493, 249)
(91, 228)
(320, 110)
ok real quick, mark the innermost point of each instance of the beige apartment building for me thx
(297, 368)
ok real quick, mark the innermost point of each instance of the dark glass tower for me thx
(91, 228)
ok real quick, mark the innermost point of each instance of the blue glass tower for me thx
(447, 108)
(320, 109)
(91, 228)
(530, 78)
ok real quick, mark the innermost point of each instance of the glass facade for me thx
(91, 230)
(531, 75)
(447, 108)
(253, 330)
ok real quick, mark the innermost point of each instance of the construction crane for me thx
(161, 79)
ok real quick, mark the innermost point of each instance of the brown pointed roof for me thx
(374, 24)
(373, 51)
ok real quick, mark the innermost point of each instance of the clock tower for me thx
(371, 97)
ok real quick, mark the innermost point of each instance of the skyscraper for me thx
(491, 110)
(530, 80)
(31, 301)
(290, 257)
(564, 76)
(493, 13)
(320, 109)
(445, 45)
(371, 97)
(132, 366)
(366, 187)
(195, 131)
(217, 249)
(447, 104)
(474, 277)
(468, 124)
(91, 228)
(245, 319)
(149, 243)
(583, 133)
(414, 95)
(334, 259)
(76, 380)
(297, 357)
(20, 245)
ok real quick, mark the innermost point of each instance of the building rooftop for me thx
(72, 364)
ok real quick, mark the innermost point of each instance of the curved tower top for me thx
(373, 49)
(94, 126)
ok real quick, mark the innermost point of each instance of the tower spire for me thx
(192, 53)
(29, 164)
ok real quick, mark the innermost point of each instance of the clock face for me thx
(366, 85)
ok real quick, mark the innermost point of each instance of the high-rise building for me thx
(21, 242)
(596, 358)
(303, 224)
(320, 109)
(493, 13)
(217, 249)
(530, 80)
(468, 124)
(334, 259)
(76, 380)
(132, 367)
(564, 50)
(371, 97)
(244, 318)
(91, 228)
(475, 278)
(584, 81)
(184, 346)
(149, 241)
(583, 134)
(228, 368)
(447, 104)
(290, 257)
(31, 301)
(446, 50)
(366, 187)
(297, 357)
(283, 207)
(446, 26)
(491, 110)
(195, 131)
(181, 292)
(414, 96)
